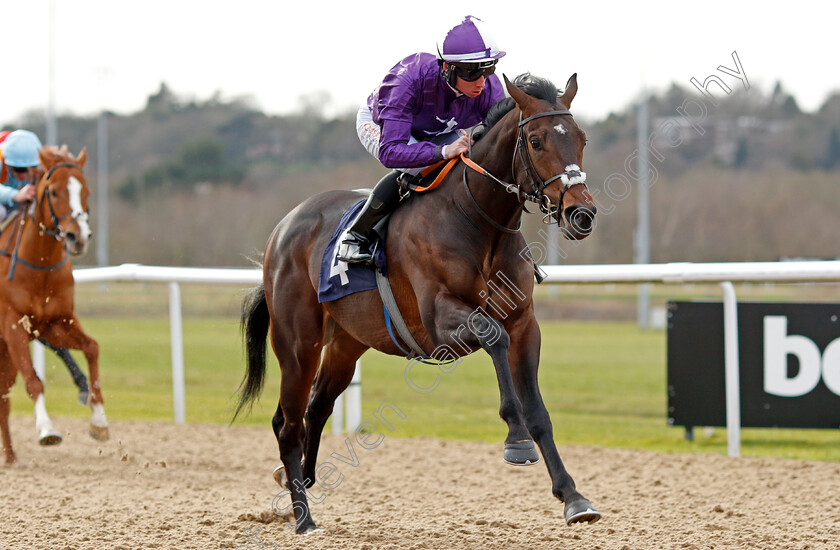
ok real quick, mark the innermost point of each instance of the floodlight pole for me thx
(52, 123)
(642, 248)
(102, 190)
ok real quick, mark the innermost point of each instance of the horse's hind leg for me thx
(299, 356)
(335, 374)
(69, 334)
(76, 373)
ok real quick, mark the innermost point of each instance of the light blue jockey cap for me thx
(20, 149)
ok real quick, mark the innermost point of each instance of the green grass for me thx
(604, 384)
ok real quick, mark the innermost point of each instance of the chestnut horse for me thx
(461, 275)
(36, 289)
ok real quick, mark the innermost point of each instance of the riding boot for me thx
(384, 197)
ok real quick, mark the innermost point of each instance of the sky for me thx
(281, 54)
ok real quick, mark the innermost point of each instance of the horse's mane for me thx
(541, 88)
(55, 152)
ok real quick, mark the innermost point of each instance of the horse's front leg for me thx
(68, 333)
(524, 360)
(16, 335)
(461, 327)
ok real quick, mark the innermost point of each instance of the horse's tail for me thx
(255, 322)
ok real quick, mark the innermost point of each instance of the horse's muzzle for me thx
(76, 243)
(577, 222)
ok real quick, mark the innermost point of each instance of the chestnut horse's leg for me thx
(68, 333)
(7, 379)
(525, 357)
(17, 346)
(337, 367)
(455, 320)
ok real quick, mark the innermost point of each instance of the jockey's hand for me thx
(25, 194)
(460, 145)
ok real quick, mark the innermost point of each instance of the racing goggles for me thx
(471, 72)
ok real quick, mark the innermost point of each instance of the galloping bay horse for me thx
(447, 252)
(36, 289)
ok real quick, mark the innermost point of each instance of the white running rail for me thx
(670, 273)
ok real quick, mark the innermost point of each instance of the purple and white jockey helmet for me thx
(469, 42)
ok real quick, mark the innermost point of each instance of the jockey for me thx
(20, 157)
(412, 119)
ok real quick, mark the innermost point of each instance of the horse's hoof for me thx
(308, 527)
(84, 396)
(521, 453)
(581, 511)
(51, 438)
(99, 433)
(279, 475)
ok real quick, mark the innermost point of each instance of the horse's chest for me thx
(38, 307)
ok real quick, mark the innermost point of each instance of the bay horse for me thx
(37, 289)
(446, 252)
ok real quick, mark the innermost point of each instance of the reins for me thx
(54, 232)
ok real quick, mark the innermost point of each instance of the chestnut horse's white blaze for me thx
(74, 188)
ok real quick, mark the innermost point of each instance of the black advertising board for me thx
(789, 364)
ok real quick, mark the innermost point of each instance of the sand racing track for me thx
(158, 485)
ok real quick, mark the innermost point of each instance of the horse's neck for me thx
(494, 153)
(36, 246)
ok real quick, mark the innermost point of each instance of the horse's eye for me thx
(53, 193)
(535, 143)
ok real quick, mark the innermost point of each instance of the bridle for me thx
(55, 231)
(538, 185)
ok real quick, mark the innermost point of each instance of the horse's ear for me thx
(82, 158)
(570, 91)
(520, 97)
(47, 161)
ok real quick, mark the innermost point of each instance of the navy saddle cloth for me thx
(338, 279)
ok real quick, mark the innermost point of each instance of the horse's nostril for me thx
(581, 219)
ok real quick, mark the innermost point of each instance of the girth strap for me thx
(393, 311)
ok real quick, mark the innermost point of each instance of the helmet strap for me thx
(450, 75)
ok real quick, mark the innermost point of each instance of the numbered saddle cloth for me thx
(337, 278)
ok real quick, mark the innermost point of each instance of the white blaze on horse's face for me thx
(560, 129)
(74, 189)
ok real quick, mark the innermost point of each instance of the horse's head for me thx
(62, 197)
(550, 155)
